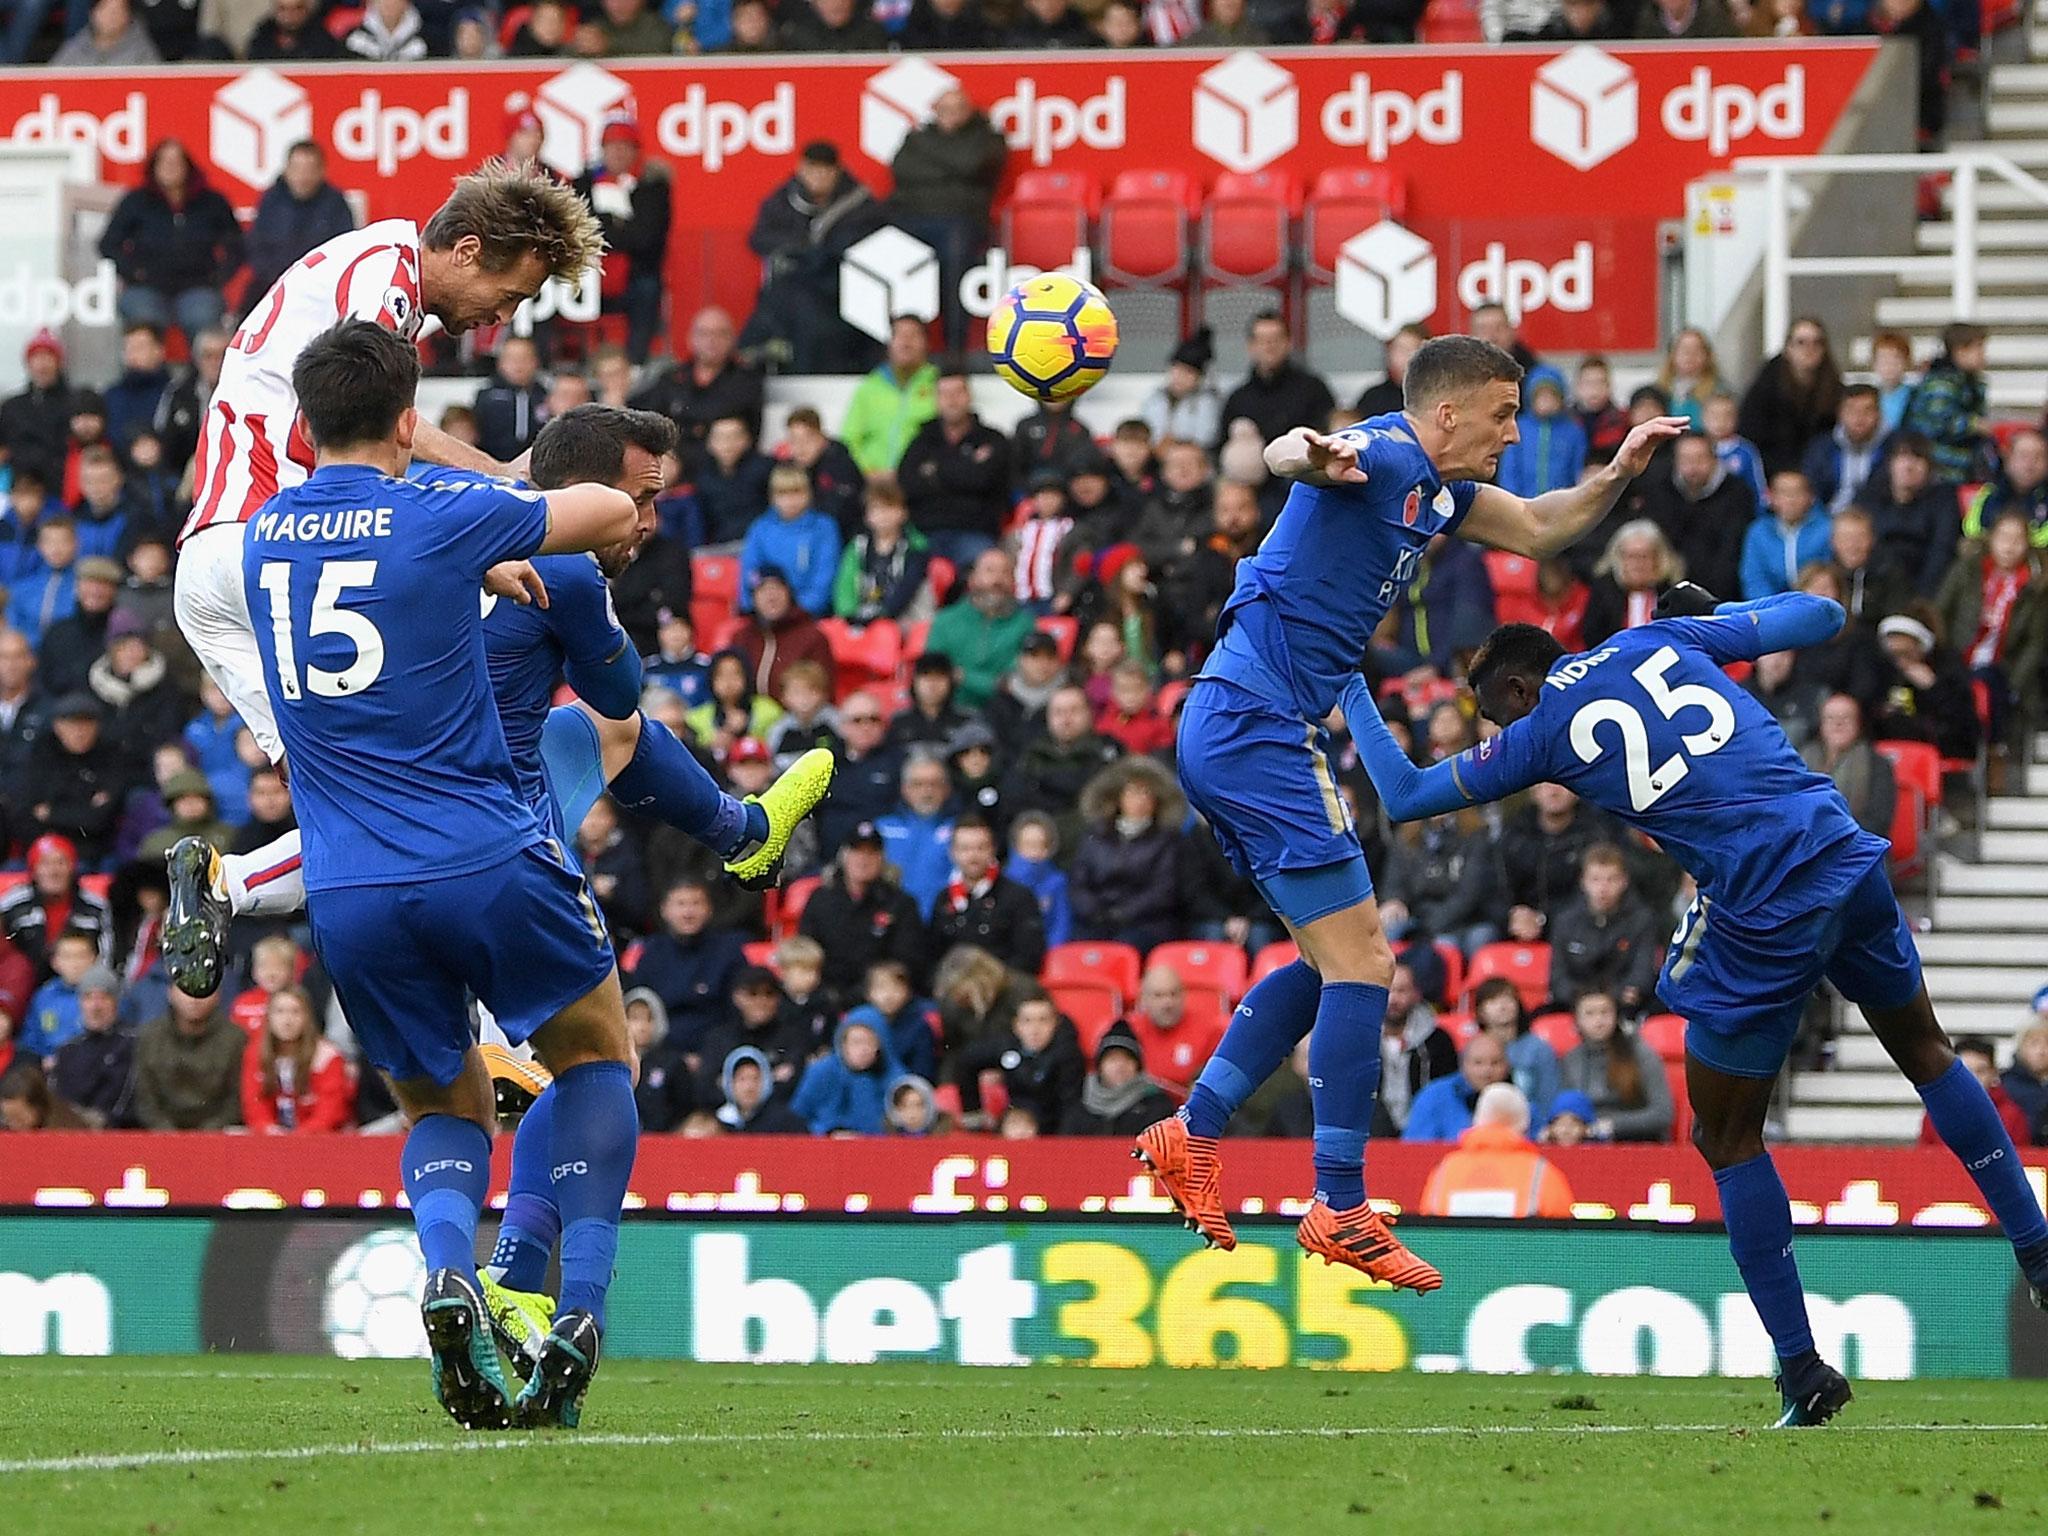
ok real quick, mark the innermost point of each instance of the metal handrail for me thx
(1781, 266)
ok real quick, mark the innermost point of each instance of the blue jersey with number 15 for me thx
(1648, 727)
(363, 591)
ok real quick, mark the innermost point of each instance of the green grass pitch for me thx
(171, 1447)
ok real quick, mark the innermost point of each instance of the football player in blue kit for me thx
(1253, 757)
(430, 877)
(567, 755)
(1791, 892)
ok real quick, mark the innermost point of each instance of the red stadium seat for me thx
(913, 641)
(1091, 1005)
(1461, 1027)
(1046, 219)
(1557, 1031)
(343, 20)
(1115, 966)
(1222, 968)
(1343, 202)
(1064, 629)
(760, 952)
(1167, 700)
(1917, 766)
(1450, 21)
(1526, 965)
(1664, 1033)
(1272, 958)
(1453, 960)
(940, 573)
(714, 592)
(508, 29)
(1246, 228)
(795, 897)
(1145, 228)
(863, 656)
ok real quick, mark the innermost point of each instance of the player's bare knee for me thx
(1723, 1146)
(617, 740)
(593, 1028)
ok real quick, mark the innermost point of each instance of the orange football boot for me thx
(1189, 1168)
(1359, 1237)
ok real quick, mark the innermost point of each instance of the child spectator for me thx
(459, 422)
(49, 593)
(932, 717)
(273, 966)
(1034, 847)
(800, 962)
(793, 538)
(732, 709)
(1622, 1078)
(751, 1106)
(1571, 1120)
(1604, 423)
(1737, 454)
(666, 1092)
(1948, 406)
(847, 1091)
(913, 1110)
(1186, 407)
(1925, 691)
(1551, 451)
(53, 1019)
(1040, 540)
(837, 485)
(808, 719)
(910, 1024)
(882, 570)
(1102, 652)
(1891, 357)
(210, 740)
(1131, 717)
(1038, 1059)
(28, 498)
(1130, 450)
(1783, 541)
(678, 664)
(293, 1077)
(1124, 597)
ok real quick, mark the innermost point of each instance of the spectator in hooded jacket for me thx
(847, 1091)
(298, 212)
(779, 634)
(175, 242)
(1124, 881)
(509, 408)
(1551, 452)
(1034, 845)
(132, 399)
(750, 1104)
(795, 538)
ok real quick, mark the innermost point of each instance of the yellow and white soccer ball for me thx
(1052, 337)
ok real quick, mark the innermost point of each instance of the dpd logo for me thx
(572, 107)
(1521, 286)
(30, 300)
(121, 137)
(1386, 278)
(897, 100)
(1046, 125)
(1723, 115)
(1247, 112)
(1379, 120)
(253, 124)
(715, 131)
(389, 136)
(1582, 106)
(888, 273)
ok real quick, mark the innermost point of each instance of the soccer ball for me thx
(372, 1307)
(1052, 337)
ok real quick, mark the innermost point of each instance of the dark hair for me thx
(1977, 1044)
(1624, 1069)
(1859, 392)
(307, 147)
(513, 211)
(933, 664)
(1451, 366)
(1915, 443)
(820, 152)
(354, 381)
(806, 416)
(687, 883)
(1654, 395)
(1501, 986)
(1514, 650)
(1961, 334)
(589, 443)
(1263, 317)
(953, 366)
(155, 331)
(974, 821)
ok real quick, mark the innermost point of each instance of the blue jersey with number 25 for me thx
(363, 591)
(1648, 727)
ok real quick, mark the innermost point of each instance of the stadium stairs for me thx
(2012, 232)
(1985, 948)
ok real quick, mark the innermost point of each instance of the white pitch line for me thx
(139, 1460)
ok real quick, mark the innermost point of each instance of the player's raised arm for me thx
(1315, 458)
(1541, 526)
(1790, 621)
(1407, 792)
(587, 517)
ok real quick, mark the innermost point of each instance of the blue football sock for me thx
(1759, 1221)
(596, 1132)
(447, 1169)
(1344, 1085)
(1965, 1118)
(1266, 1027)
(527, 1235)
(667, 782)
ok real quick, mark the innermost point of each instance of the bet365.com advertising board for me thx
(1620, 1301)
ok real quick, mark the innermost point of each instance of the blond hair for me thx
(513, 210)
(800, 951)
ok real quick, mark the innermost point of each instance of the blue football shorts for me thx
(1743, 990)
(1262, 780)
(523, 935)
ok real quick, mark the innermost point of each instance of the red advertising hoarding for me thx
(1859, 1187)
(1530, 176)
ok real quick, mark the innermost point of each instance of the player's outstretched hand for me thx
(1643, 441)
(1334, 458)
(1687, 600)
(518, 580)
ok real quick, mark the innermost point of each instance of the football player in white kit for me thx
(502, 233)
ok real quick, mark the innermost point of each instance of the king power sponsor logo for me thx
(1584, 108)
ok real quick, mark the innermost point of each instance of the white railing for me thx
(1959, 264)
